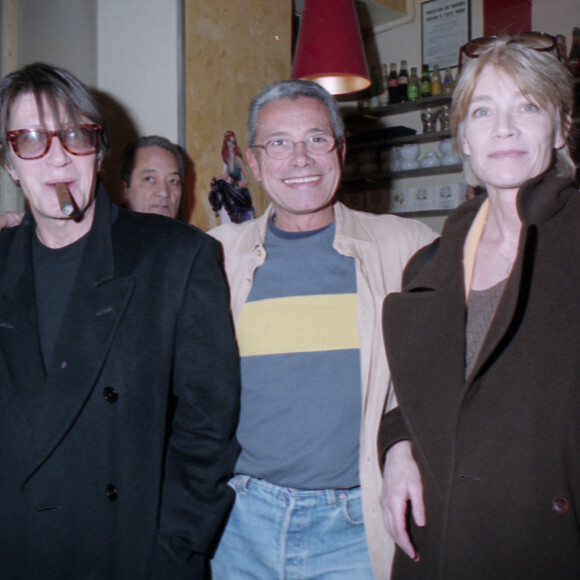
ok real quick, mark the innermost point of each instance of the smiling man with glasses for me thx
(307, 280)
(116, 414)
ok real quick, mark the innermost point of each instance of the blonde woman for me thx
(483, 341)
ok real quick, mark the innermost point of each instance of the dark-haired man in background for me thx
(153, 176)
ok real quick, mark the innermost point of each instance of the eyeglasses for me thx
(35, 143)
(539, 41)
(279, 149)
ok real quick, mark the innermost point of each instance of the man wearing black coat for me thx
(118, 366)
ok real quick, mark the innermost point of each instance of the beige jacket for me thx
(381, 246)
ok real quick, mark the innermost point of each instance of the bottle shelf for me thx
(362, 182)
(417, 138)
(399, 108)
(376, 138)
(423, 213)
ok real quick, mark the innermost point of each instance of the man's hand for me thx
(10, 219)
(401, 486)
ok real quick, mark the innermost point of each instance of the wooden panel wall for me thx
(232, 49)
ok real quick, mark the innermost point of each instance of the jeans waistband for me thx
(332, 495)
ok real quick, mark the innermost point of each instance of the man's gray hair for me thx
(291, 90)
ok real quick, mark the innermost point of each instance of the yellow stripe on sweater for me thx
(298, 324)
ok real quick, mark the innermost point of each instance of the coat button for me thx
(560, 505)
(110, 394)
(112, 492)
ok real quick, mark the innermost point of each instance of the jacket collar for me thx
(261, 226)
(342, 216)
(256, 230)
(99, 244)
(544, 196)
(348, 226)
(95, 309)
(445, 273)
(537, 201)
(99, 241)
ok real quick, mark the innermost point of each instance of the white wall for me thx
(61, 32)
(138, 73)
(138, 47)
(404, 42)
(556, 17)
(129, 50)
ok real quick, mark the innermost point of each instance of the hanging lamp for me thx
(329, 49)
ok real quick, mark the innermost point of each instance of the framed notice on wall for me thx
(445, 27)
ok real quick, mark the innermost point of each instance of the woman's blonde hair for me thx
(538, 74)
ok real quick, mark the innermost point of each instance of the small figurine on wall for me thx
(229, 191)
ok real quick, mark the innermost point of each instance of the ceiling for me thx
(372, 14)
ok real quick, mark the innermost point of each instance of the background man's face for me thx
(304, 184)
(155, 183)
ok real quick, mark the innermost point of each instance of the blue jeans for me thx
(280, 533)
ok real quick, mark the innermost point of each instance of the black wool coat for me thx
(114, 459)
(499, 452)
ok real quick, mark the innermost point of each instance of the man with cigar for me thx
(119, 376)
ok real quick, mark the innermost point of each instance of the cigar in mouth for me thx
(68, 205)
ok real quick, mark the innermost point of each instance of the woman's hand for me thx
(402, 486)
(10, 219)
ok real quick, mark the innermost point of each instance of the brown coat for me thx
(499, 453)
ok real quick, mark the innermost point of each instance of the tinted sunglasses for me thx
(539, 41)
(35, 143)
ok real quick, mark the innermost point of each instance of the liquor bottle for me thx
(574, 58)
(384, 96)
(375, 88)
(414, 87)
(393, 84)
(561, 48)
(425, 82)
(403, 81)
(435, 81)
(364, 99)
(448, 84)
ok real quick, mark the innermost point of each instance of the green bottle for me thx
(414, 87)
(425, 82)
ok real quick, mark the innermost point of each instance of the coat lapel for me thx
(92, 317)
(431, 311)
(428, 313)
(19, 337)
(95, 309)
(538, 201)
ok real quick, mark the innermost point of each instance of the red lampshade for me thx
(330, 50)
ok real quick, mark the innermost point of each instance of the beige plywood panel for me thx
(232, 49)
